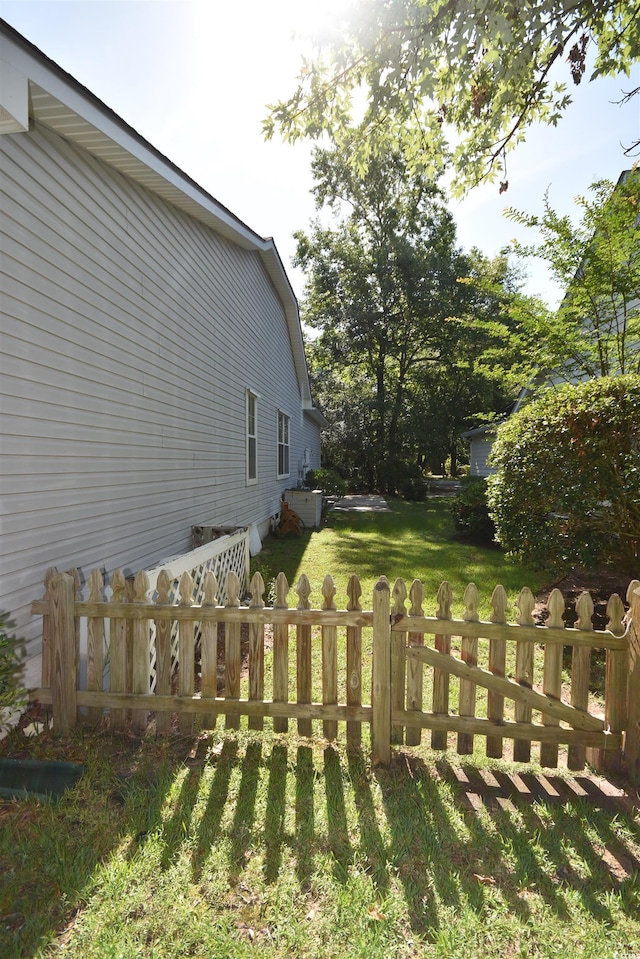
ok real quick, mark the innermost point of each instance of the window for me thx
(252, 437)
(283, 444)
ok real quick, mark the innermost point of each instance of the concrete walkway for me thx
(369, 503)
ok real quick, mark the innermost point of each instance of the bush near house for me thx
(566, 489)
(12, 695)
(406, 480)
(470, 512)
(329, 481)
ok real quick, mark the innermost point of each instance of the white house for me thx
(480, 442)
(153, 375)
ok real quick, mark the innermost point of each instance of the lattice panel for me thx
(233, 557)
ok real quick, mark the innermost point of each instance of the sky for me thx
(193, 77)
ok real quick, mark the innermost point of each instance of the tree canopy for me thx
(414, 336)
(455, 82)
(596, 329)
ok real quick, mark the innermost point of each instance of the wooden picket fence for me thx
(496, 680)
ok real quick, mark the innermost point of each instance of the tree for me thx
(566, 489)
(379, 287)
(398, 308)
(481, 367)
(596, 329)
(455, 82)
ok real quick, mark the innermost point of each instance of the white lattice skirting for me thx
(220, 557)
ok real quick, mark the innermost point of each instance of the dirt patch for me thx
(601, 584)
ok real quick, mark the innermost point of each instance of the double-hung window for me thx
(252, 437)
(283, 445)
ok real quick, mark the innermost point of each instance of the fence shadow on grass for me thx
(512, 834)
(447, 833)
(424, 830)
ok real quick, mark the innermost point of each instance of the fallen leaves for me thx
(485, 880)
(374, 913)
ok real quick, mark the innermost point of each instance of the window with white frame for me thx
(252, 437)
(283, 445)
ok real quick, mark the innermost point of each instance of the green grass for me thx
(411, 541)
(243, 844)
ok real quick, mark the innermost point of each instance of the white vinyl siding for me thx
(311, 442)
(283, 445)
(129, 332)
(480, 449)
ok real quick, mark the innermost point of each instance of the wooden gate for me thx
(519, 682)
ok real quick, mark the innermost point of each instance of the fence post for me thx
(247, 560)
(615, 701)
(63, 652)
(381, 687)
(632, 739)
(46, 631)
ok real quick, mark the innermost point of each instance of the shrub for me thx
(567, 485)
(470, 512)
(12, 695)
(414, 488)
(330, 482)
(407, 480)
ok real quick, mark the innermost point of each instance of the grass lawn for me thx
(411, 541)
(243, 844)
(238, 844)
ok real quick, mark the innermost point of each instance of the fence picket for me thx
(414, 667)
(256, 650)
(281, 654)
(580, 668)
(95, 644)
(497, 665)
(552, 674)
(140, 663)
(524, 672)
(469, 655)
(329, 660)
(129, 596)
(632, 738)
(232, 651)
(440, 676)
(77, 588)
(354, 661)
(209, 649)
(303, 655)
(163, 651)
(398, 644)
(186, 653)
(118, 649)
(615, 702)
(381, 674)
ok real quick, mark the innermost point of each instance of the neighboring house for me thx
(481, 438)
(153, 374)
(480, 442)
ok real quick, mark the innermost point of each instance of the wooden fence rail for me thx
(496, 680)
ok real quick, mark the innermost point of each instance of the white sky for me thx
(193, 77)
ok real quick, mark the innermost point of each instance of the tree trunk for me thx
(454, 458)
